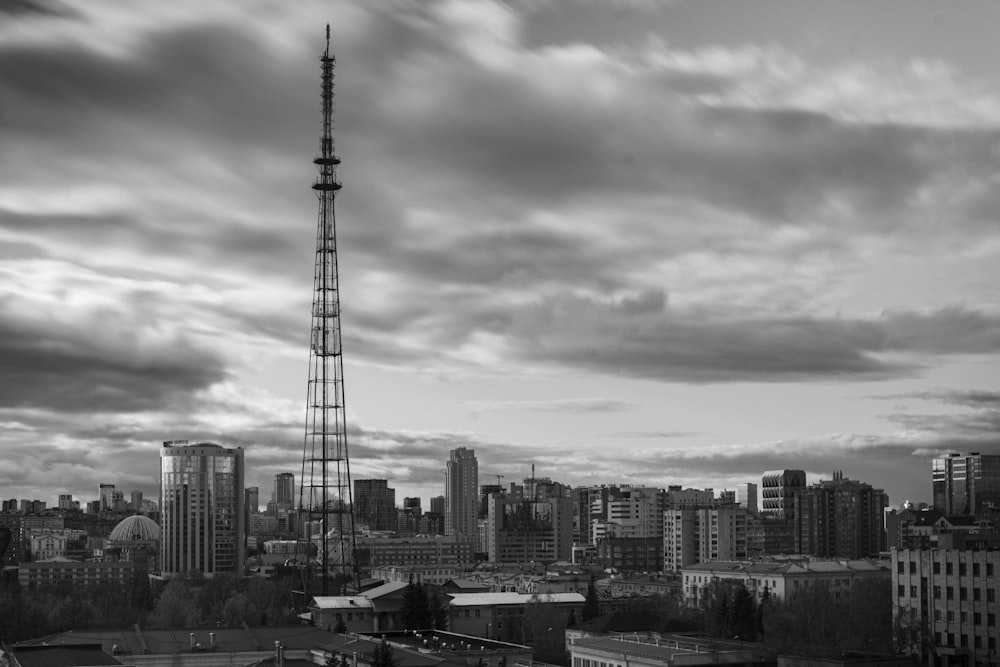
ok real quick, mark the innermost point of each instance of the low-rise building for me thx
(502, 615)
(781, 577)
(669, 651)
(355, 612)
(56, 570)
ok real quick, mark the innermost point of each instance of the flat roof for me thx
(486, 599)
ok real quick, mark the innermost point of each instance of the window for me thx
(913, 566)
(991, 619)
(477, 613)
(975, 594)
(937, 568)
(951, 616)
(900, 591)
(937, 592)
(977, 618)
(913, 591)
(989, 569)
(975, 569)
(963, 593)
(991, 595)
(948, 568)
(937, 614)
(949, 592)
(900, 567)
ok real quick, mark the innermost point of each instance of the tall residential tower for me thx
(461, 492)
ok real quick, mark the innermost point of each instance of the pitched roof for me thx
(322, 602)
(387, 588)
(486, 599)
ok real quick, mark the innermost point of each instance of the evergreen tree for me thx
(383, 656)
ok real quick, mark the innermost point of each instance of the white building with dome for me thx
(135, 539)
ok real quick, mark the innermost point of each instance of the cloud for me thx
(569, 405)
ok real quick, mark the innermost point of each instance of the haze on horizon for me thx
(635, 242)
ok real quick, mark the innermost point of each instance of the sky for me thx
(619, 242)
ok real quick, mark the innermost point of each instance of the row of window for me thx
(587, 662)
(949, 568)
(948, 639)
(977, 617)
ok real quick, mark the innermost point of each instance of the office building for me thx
(284, 490)
(777, 489)
(202, 509)
(966, 484)
(107, 496)
(839, 518)
(437, 505)
(375, 504)
(461, 507)
(135, 503)
(65, 501)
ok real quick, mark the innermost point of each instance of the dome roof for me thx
(135, 528)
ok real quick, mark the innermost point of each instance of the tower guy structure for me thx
(325, 489)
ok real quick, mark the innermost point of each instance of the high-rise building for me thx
(136, 501)
(839, 518)
(966, 484)
(107, 496)
(533, 522)
(437, 505)
(778, 492)
(746, 495)
(284, 490)
(461, 492)
(253, 499)
(202, 509)
(65, 501)
(704, 534)
(375, 504)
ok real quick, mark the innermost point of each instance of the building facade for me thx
(839, 518)
(461, 488)
(532, 523)
(777, 492)
(948, 599)
(375, 504)
(202, 509)
(966, 484)
(697, 535)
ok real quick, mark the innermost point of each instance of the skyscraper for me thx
(107, 493)
(284, 490)
(461, 491)
(746, 495)
(966, 484)
(202, 509)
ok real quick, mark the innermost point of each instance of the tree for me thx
(383, 656)
(743, 615)
(341, 627)
(591, 605)
(416, 612)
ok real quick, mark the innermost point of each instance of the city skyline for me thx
(627, 242)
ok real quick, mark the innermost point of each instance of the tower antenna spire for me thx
(325, 492)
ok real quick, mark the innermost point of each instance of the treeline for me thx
(814, 620)
(185, 602)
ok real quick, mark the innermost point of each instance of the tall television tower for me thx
(325, 492)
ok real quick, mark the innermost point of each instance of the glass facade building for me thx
(202, 503)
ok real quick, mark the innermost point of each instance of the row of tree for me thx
(185, 602)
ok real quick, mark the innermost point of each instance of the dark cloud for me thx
(35, 8)
(99, 363)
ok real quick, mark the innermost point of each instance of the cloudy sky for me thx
(624, 242)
